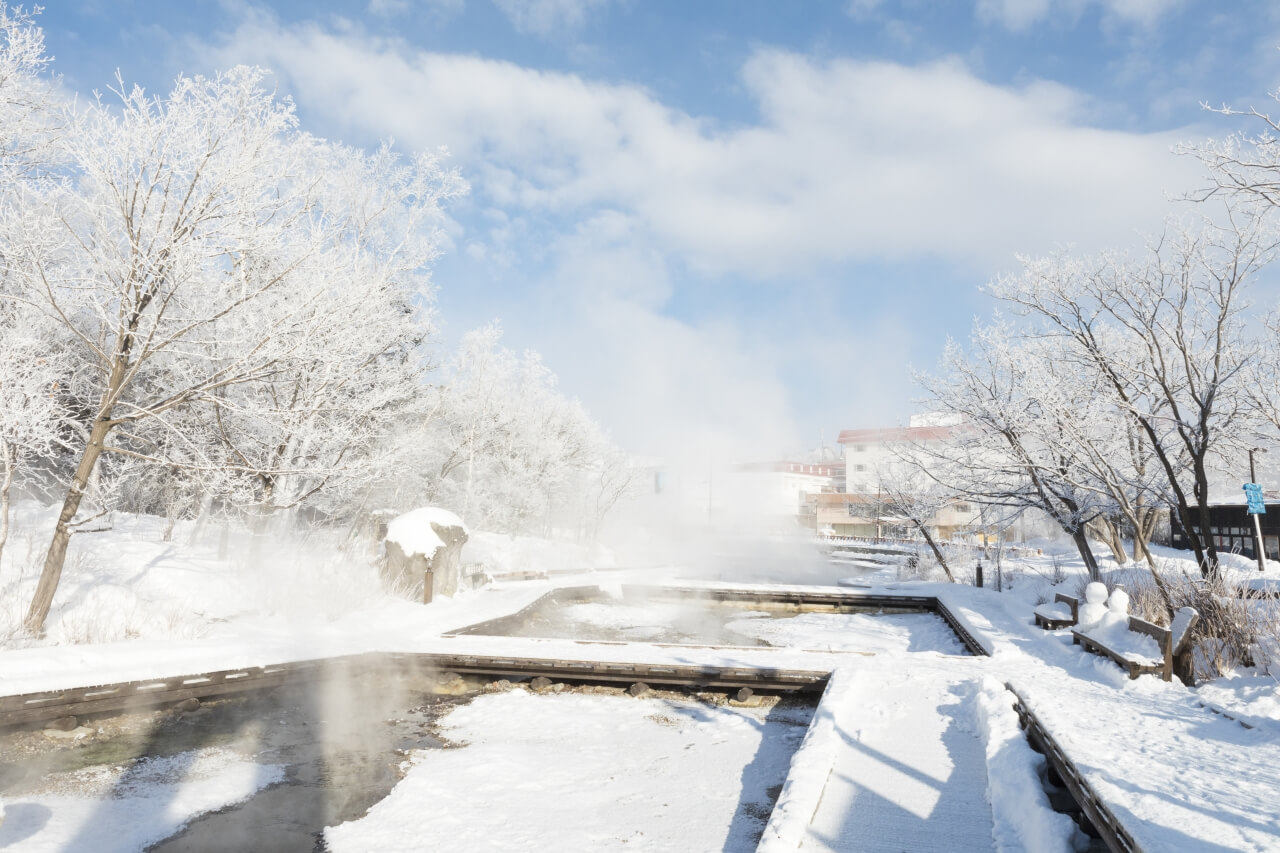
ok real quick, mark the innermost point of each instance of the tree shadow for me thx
(782, 730)
(893, 806)
(21, 821)
(329, 733)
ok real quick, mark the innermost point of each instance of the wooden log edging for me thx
(143, 694)
(147, 694)
(920, 603)
(1113, 833)
(962, 631)
(499, 622)
(793, 597)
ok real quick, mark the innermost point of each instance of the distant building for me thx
(1232, 528)
(867, 453)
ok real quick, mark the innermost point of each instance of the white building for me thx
(868, 453)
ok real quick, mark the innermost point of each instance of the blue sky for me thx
(733, 226)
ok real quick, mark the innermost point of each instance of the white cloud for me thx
(548, 17)
(1021, 15)
(671, 387)
(604, 196)
(849, 160)
(433, 10)
(1015, 15)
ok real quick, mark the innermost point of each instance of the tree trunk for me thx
(1109, 533)
(1209, 562)
(9, 454)
(1146, 526)
(202, 519)
(937, 552)
(51, 574)
(1086, 553)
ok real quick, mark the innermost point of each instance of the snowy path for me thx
(909, 772)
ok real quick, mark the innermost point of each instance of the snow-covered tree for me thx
(33, 414)
(194, 244)
(317, 422)
(1008, 454)
(27, 114)
(33, 366)
(910, 491)
(1165, 338)
(502, 447)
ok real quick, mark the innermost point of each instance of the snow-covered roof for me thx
(881, 434)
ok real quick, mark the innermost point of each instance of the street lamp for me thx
(1257, 524)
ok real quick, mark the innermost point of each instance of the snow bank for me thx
(502, 553)
(810, 767)
(1022, 818)
(414, 534)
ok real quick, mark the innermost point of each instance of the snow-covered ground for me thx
(910, 737)
(586, 772)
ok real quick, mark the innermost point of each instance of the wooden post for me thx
(428, 585)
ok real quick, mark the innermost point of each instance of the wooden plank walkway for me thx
(908, 772)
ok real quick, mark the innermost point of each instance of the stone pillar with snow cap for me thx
(1094, 607)
(424, 540)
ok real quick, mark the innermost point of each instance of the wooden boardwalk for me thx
(908, 776)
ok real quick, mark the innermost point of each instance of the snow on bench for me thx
(1062, 612)
(1140, 646)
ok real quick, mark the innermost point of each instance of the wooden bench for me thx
(1050, 616)
(1175, 650)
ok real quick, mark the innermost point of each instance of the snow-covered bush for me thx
(1232, 631)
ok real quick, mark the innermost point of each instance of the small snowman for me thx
(1117, 608)
(1118, 603)
(1094, 607)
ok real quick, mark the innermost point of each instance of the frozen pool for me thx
(595, 615)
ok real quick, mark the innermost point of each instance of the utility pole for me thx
(1257, 523)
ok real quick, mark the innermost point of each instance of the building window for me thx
(859, 448)
(859, 467)
(963, 508)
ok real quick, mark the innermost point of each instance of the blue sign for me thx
(1253, 493)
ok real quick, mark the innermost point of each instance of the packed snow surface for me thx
(586, 773)
(887, 633)
(910, 770)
